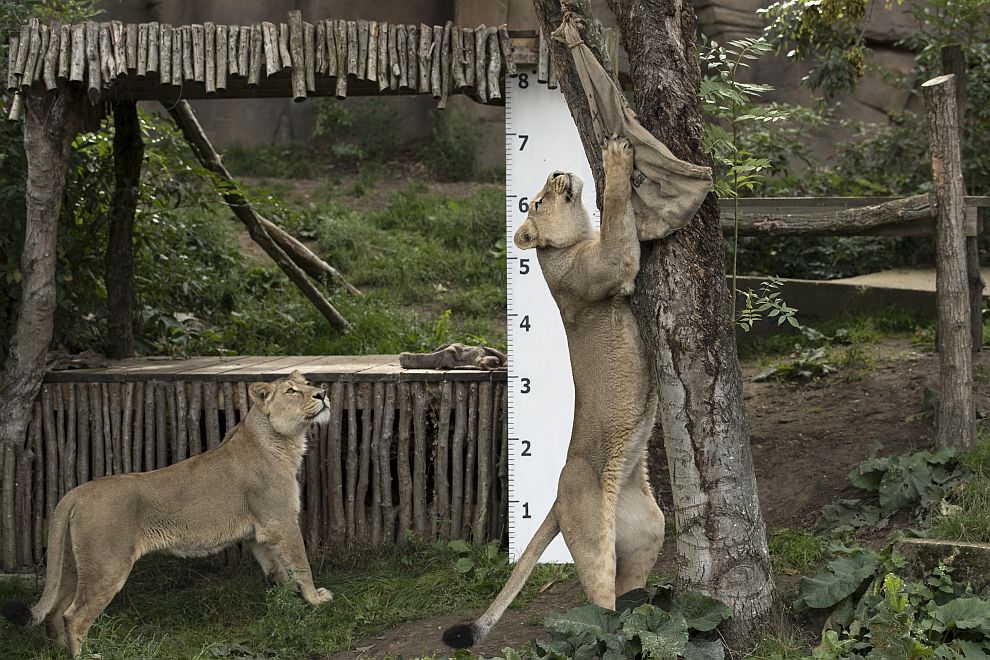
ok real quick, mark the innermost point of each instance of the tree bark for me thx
(50, 124)
(685, 320)
(128, 154)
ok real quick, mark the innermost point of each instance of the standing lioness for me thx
(243, 490)
(604, 507)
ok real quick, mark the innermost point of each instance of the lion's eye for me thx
(536, 205)
(290, 391)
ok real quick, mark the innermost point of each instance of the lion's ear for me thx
(297, 376)
(260, 392)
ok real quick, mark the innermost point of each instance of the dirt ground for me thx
(805, 439)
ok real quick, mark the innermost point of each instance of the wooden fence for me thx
(415, 450)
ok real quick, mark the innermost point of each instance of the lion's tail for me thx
(58, 542)
(464, 635)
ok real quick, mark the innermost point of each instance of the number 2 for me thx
(525, 451)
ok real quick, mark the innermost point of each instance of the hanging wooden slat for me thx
(50, 66)
(188, 68)
(435, 57)
(93, 76)
(39, 64)
(64, 51)
(425, 51)
(480, 60)
(494, 64)
(371, 72)
(154, 48)
(331, 64)
(108, 65)
(445, 65)
(457, 461)
(132, 44)
(210, 57)
(394, 71)
(77, 62)
(385, 463)
(298, 58)
(457, 58)
(362, 53)
(543, 61)
(178, 56)
(119, 48)
(412, 56)
(321, 48)
(309, 55)
(383, 74)
(340, 43)
(467, 35)
(12, 75)
(257, 48)
(352, 48)
(233, 36)
(222, 58)
(244, 46)
(23, 45)
(401, 48)
(441, 491)
(165, 53)
(283, 45)
(505, 45)
(273, 62)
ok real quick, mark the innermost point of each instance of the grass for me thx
(173, 608)
(971, 522)
(795, 550)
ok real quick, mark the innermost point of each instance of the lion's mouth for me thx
(569, 190)
(324, 408)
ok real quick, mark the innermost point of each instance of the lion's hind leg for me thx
(639, 532)
(101, 572)
(275, 573)
(587, 522)
(56, 622)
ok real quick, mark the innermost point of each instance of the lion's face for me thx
(556, 217)
(291, 404)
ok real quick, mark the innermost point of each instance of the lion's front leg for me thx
(620, 241)
(288, 548)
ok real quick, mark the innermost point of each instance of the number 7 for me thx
(525, 139)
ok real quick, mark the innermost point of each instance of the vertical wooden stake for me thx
(298, 56)
(480, 70)
(421, 447)
(467, 40)
(425, 50)
(385, 463)
(412, 55)
(955, 420)
(402, 456)
(154, 48)
(362, 54)
(441, 491)
(457, 460)
(372, 70)
(383, 68)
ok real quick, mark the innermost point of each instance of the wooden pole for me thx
(352, 48)
(222, 57)
(469, 462)
(372, 70)
(412, 55)
(436, 56)
(955, 419)
(298, 56)
(364, 467)
(954, 62)
(441, 491)
(480, 61)
(467, 41)
(340, 43)
(352, 461)
(405, 482)
(183, 115)
(153, 60)
(338, 519)
(385, 463)
(309, 55)
(425, 49)
(494, 69)
(479, 528)
(457, 460)
(420, 449)
(165, 54)
(362, 54)
(383, 69)
(376, 471)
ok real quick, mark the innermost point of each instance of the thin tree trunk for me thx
(685, 321)
(128, 154)
(50, 124)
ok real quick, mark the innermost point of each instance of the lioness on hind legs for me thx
(604, 508)
(243, 490)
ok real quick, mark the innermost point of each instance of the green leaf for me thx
(867, 475)
(700, 611)
(460, 545)
(465, 564)
(704, 649)
(840, 578)
(588, 619)
(965, 614)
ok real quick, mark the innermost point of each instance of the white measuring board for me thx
(540, 137)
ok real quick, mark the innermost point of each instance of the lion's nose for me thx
(321, 395)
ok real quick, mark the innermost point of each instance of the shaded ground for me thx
(805, 439)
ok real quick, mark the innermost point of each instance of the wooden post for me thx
(385, 463)
(298, 57)
(128, 154)
(955, 419)
(954, 62)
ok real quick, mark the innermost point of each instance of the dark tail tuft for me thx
(17, 612)
(461, 636)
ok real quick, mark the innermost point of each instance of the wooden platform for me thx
(347, 368)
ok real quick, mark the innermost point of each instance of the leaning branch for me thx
(183, 115)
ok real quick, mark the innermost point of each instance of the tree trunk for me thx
(50, 124)
(128, 154)
(685, 320)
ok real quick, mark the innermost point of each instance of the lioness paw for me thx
(323, 595)
(617, 157)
